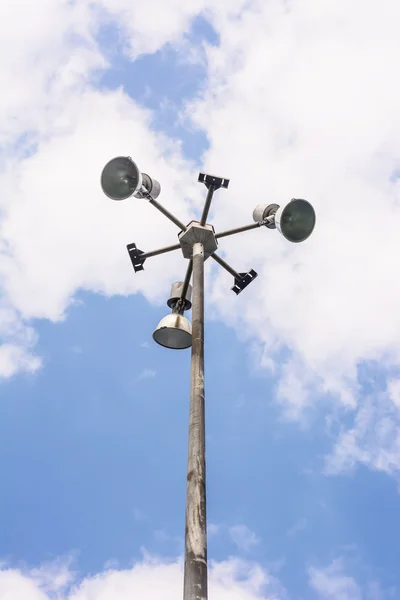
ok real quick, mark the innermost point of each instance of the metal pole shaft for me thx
(195, 575)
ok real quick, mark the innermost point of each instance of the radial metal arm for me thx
(242, 280)
(228, 232)
(167, 214)
(138, 257)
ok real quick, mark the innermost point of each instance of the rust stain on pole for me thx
(195, 576)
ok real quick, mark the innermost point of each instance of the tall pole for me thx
(195, 575)
(195, 569)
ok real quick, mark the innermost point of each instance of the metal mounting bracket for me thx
(212, 180)
(244, 281)
(137, 257)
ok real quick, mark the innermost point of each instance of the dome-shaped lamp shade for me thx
(174, 331)
(296, 220)
(121, 178)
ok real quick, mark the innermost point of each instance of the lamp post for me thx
(198, 241)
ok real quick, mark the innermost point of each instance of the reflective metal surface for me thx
(296, 220)
(121, 178)
(174, 331)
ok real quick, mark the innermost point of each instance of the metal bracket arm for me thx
(242, 280)
(225, 265)
(166, 213)
(138, 256)
(212, 184)
(228, 232)
(180, 305)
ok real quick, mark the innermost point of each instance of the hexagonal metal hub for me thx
(196, 233)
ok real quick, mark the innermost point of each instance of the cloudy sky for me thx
(287, 98)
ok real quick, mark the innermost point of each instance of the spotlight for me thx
(174, 331)
(121, 179)
(295, 221)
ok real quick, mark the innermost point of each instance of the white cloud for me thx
(332, 583)
(53, 577)
(299, 100)
(147, 374)
(394, 391)
(290, 103)
(15, 359)
(373, 439)
(150, 579)
(213, 529)
(243, 537)
(18, 341)
(36, 584)
(154, 577)
(57, 132)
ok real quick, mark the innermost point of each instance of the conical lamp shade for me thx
(296, 220)
(121, 178)
(174, 331)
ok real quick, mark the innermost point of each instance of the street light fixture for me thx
(121, 179)
(198, 241)
(175, 331)
(295, 221)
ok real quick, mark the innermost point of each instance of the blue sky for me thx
(93, 451)
(302, 369)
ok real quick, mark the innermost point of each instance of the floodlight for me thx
(121, 179)
(296, 220)
(174, 331)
